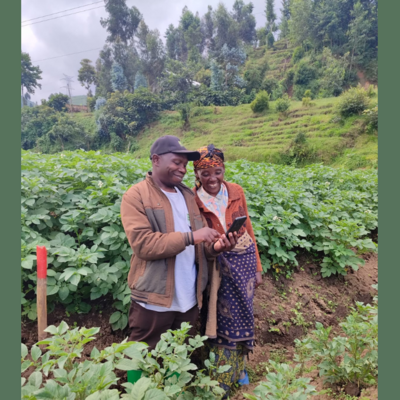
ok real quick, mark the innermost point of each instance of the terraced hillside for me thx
(268, 137)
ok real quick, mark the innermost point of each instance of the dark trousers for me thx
(148, 326)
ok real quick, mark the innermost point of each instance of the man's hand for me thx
(258, 279)
(226, 244)
(206, 234)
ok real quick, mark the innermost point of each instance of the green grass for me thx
(264, 137)
(79, 100)
(87, 120)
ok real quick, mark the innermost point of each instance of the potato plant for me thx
(167, 371)
(352, 356)
(70, 202)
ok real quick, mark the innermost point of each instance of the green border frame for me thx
(389, 194)
(10, 234)
(389, 145)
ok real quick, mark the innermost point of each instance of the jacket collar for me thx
(183, 188)
(233, 195)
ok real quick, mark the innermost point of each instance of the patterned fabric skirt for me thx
(235, 317)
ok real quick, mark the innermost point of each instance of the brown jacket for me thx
(148, 222)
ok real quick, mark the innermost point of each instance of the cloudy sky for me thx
(82, 33)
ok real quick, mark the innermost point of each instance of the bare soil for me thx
(316, 299)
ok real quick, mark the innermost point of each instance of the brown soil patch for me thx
(326, 300)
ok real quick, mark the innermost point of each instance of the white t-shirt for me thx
(185, 268)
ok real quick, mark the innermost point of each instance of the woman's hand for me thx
(226, 244)
(258, 279)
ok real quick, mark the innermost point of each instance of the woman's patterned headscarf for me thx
(209, 157)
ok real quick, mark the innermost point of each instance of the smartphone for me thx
(237, 224)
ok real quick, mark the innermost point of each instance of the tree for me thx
(270, 15)
(227, 74)
(30, 75)
(261, 36)
(122, 21)
(103, 72)
(140, 80)
(358, 31)
(58, 101)
(151, 53)
(127, 57)
(207, 27)
(300, 20)
(118, 79)
(192, 43)
(242, 14)
(217, 77)
(178, 80)
(87, 74)
(173, 42)
(334, 69)
(285, 16)
(226, 29)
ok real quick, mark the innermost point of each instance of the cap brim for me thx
(191, 155)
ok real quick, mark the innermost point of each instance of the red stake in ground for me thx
(41, 292)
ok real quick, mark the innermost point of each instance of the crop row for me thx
(70, 202)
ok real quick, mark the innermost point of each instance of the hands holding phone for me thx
(221, 242)
(225, 243)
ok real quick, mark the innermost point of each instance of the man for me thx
(171, 245)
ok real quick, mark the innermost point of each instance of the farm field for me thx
(266, 137)
(316, 228)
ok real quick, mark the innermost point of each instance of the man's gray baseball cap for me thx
(171, 144)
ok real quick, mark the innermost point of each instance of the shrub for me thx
(36, 122)
(260, 103)
(125, 114)
(270, 40)
(269, 84)
(371, 119)
(351, 357)
(48, 131)
(166, 371)
(282, 104)
(91, 102)
(305, 73)
(185, 113)
(58, 101)
(353, 102)
(298, 54)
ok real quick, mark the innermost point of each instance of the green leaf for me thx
(114, 317)
(35, 379)
(25, 365)
(51, 329)
(127, 365)
(24, 350)
(155, 394)
(62, 328)
(63, 292)
(35, 352)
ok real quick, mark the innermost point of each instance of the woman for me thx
(229, 323)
